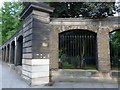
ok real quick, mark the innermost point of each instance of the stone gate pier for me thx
(34, 49)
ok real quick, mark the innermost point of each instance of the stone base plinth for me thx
(69, 75)
(36, 71)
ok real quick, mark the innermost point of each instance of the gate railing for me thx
(77, 49)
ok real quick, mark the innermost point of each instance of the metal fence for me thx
(77, 49)
(115, 49)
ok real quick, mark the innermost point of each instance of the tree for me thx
(83, 9)
(115, 48)
(0, 28)
(10, 19)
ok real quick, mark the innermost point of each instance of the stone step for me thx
(18, 69)
(83, 79)
(12, 66)
(82, 76)
(80, 73)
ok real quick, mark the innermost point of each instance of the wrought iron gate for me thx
(115, 49)
(77, 49)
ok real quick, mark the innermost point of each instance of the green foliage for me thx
(67, 62)
(84, 9)
(10, 19)
(115, 49)
(63, 58)
(0, 27)
(115, 38)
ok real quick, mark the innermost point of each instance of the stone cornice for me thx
(35, 6)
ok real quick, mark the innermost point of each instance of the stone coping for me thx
(35, 6)
(86, 19)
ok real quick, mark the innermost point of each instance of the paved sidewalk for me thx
(10, 79)
(81, 85)
(0, 75)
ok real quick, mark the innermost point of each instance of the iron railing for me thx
(77, 49)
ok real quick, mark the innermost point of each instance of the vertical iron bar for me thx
(68, 45)
(73, 45)
(93, 46)
(63, 44)
(89, 45)
(77, 45)
(59, 41)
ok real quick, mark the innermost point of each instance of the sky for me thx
(1, 2)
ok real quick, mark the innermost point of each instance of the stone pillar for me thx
(103, 49)
(16, 52)
(2, 54)
(54, 49)
(6, 54)
(7, 58)
(10, 53)
(35, 68)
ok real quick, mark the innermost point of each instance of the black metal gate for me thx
(115, 49)
(77, 49)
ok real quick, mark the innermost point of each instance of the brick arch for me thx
(91, 28)
(12, 56)
(8, 44)
(79, 30)
(19, 36)
(19, 51)
(114, 53)
(54, 40)
(77, 37)
(11, 41)
(116, 29)
(4, 47)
